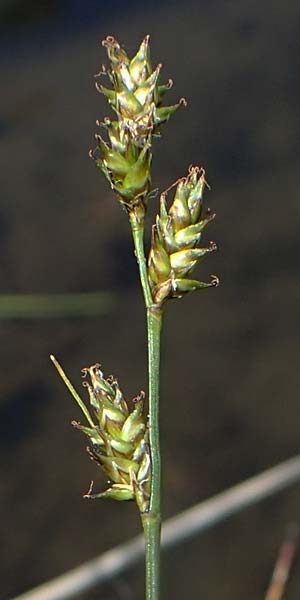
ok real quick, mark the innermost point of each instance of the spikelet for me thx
(175, 236)
(118, 437)
(136, 96)
(126, 165)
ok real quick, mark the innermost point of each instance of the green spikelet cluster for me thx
(119, 440)
(135, 97)
(174, 252)
(126, 165)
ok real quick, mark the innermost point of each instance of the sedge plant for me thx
(124, 436)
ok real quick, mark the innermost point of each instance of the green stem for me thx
(151, 528)
(151, 519)
(137, 228)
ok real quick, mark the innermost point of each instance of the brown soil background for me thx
(230, 368)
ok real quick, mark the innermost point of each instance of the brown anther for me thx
(215, 281)
(194, 169)
(139, 398)
(212, 246)
(109, 41)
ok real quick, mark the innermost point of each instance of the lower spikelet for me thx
(118, 437)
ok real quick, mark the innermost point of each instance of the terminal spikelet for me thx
(175, 237)
(136, 95)
(136, 98)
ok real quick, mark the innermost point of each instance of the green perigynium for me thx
(126, 165)
(175, 236)
(125, 155)
(136, 94)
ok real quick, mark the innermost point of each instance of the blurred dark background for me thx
(230, 376)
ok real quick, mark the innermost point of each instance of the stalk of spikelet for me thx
(135, 97)
(175, 235)
(118, 436)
